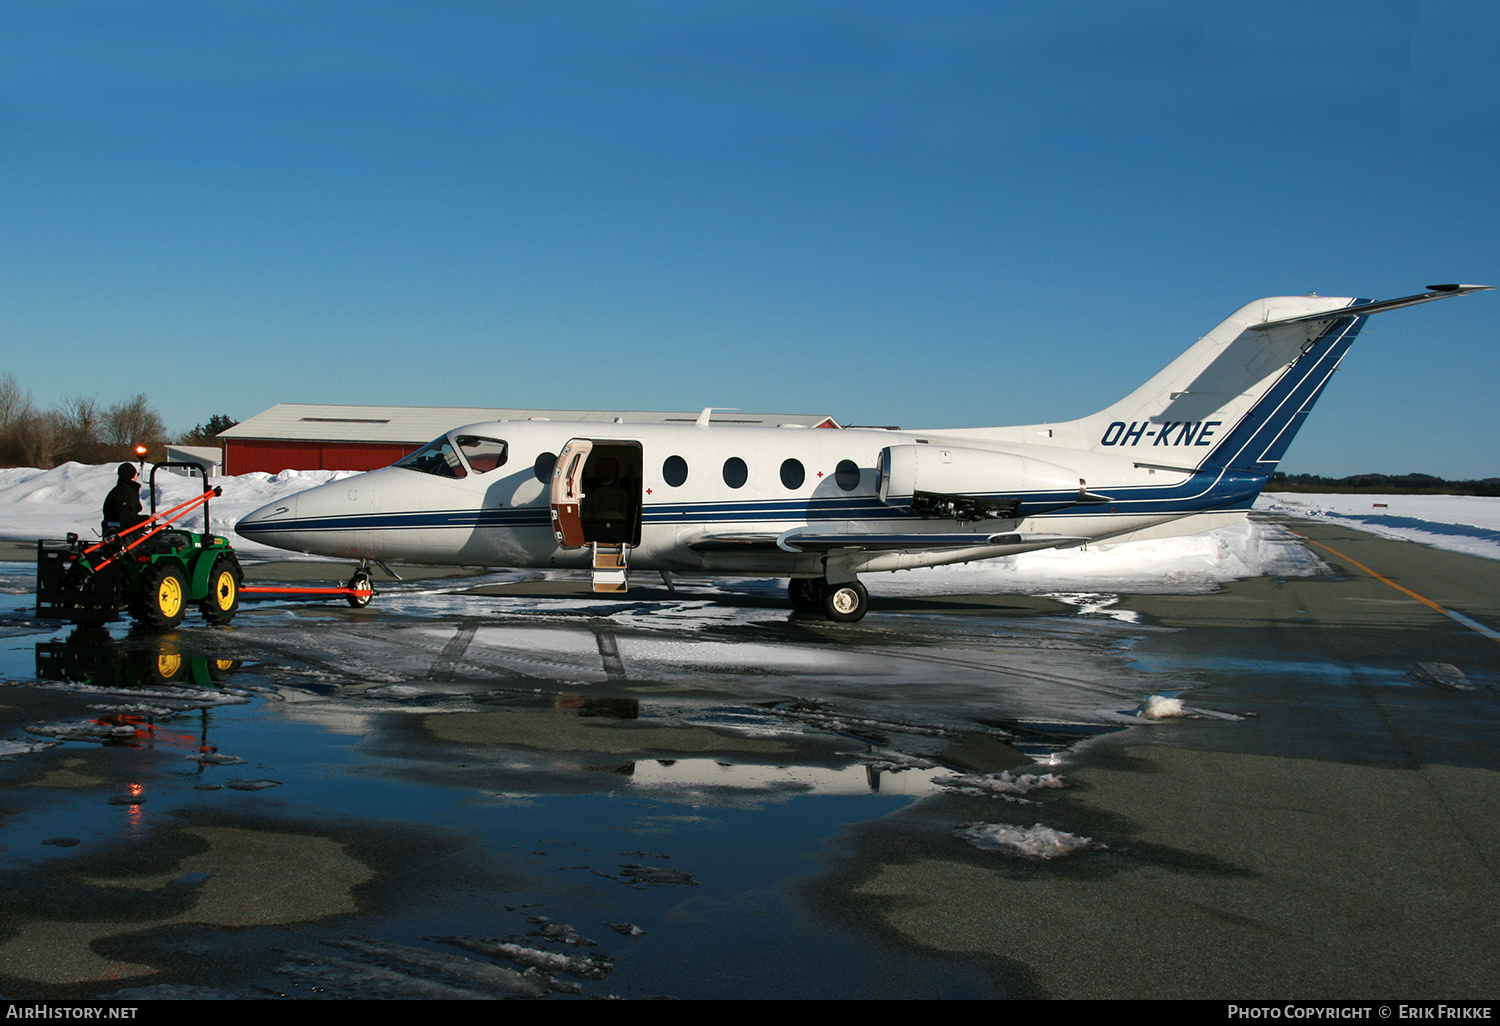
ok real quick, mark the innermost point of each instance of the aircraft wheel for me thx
(223, 599)
(163, 596)
(360, 582)
(805, 592)
(845, 603)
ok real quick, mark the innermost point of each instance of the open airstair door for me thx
(567, 492)
(596, 501)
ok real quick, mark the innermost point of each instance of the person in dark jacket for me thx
(122, 506)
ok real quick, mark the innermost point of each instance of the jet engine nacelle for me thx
(973, 484)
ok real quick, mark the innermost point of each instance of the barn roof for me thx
(313, 422)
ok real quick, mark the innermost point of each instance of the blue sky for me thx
(950, 214)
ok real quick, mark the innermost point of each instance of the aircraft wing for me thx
(804, 540)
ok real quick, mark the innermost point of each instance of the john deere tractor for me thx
(152, 570)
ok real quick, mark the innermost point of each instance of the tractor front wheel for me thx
(223, 591)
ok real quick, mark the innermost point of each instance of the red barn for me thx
(304, 436)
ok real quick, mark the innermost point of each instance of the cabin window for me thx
(735, 472)
(846, 475)
(792, 474)
(482, 454)
(542, 468)
(674, 471)
(436, 458)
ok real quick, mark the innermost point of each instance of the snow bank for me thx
(1460, 523)
(50, 503)
(1195, 563)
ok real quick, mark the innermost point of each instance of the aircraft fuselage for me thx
(1187, 451)
(699, 484)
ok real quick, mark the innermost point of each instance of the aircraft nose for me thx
(329, 520)
(272, 524)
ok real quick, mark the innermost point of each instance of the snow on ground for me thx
(1039, 841)
(1461, 523)
(1195, 563)
(48, 504)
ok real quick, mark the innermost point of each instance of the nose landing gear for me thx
(361, 589)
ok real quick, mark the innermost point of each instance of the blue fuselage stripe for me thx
(1200, 493)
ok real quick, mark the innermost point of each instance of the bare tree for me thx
(41, 440)
(14, 401)
(75, 429)
(16, 413)
(133, 423)
(78, 427)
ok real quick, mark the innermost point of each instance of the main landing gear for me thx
(841, 603)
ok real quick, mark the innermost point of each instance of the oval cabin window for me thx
(735, 472)
(846, 475)
(792, 474)
(674, 471)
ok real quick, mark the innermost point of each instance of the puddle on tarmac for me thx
(662, 785)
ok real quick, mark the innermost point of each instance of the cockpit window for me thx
(482, 454)
(436, 458)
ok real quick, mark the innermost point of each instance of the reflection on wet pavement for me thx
(659, 773)
(463, 793)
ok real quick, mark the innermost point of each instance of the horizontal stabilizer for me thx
(1378, 306)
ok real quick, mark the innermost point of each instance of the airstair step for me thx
(611, 567)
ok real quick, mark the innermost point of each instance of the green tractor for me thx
(152, 570)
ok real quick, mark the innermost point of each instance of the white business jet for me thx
(1187, 451)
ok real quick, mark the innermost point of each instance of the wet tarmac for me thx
(498, 785)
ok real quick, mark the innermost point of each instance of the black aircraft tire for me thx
(845, 603)
(223, 599)
(805, 592)
(163, 596)
(360, 582)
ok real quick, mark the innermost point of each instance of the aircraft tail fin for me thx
(1237, 397)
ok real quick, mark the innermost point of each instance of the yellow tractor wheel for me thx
(223, 591)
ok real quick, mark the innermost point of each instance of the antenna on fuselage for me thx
(707, 414)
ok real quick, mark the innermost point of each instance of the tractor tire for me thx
(163, 597)
(223, 599)
(361, 581)
(218, 669)
(845, 603)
